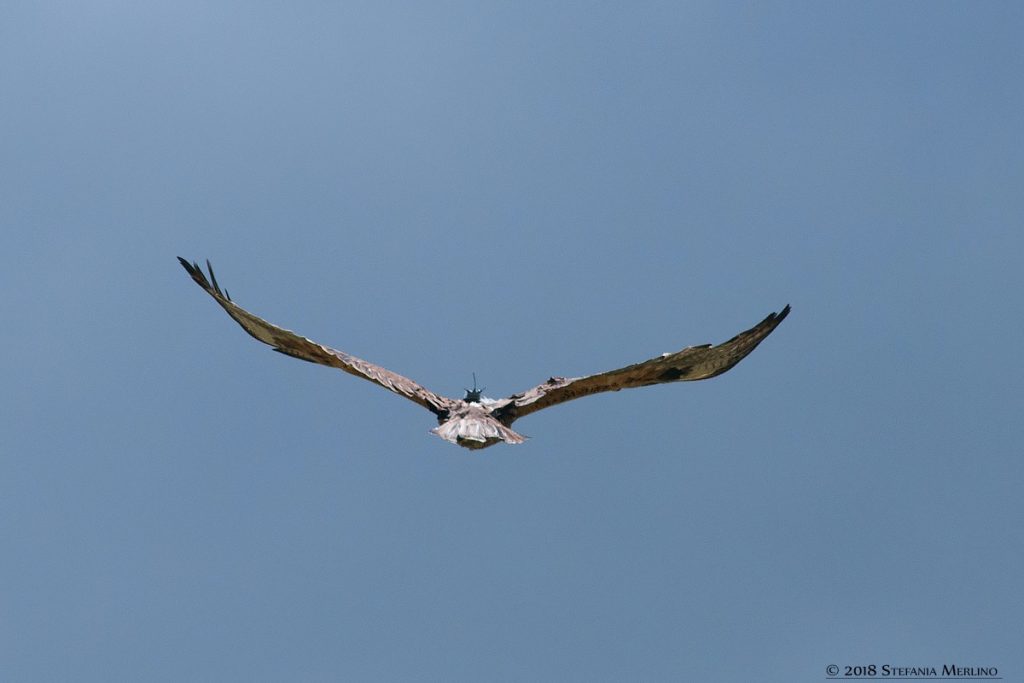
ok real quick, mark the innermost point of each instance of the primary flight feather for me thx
(476, 422)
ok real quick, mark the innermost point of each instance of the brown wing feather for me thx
(689, 364)
(291, 344)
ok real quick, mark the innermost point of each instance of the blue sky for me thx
(518, 190)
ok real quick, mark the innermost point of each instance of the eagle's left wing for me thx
(289, 343)
(691, 363)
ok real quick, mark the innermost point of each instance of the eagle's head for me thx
(473, 395)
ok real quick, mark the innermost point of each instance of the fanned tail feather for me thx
(475, 431)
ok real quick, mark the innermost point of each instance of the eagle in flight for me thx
(476, 421)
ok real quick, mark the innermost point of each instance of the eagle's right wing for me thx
(691, 363)
(289, 343)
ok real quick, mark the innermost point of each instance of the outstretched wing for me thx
(289, 343)
(691, 363)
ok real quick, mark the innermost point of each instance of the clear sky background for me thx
(516, 189)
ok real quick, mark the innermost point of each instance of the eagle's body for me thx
(476, 422)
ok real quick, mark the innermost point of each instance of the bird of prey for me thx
(476, 421)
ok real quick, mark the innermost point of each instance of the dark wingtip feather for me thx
(191, 268)
(777, 318)
(196, 271)
(213, 278)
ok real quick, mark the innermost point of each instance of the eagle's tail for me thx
(472, 431)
